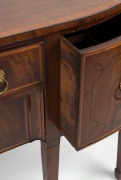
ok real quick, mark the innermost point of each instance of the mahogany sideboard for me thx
(60, 74)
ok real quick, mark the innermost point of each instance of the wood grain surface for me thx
(26, 15)
(36, 111)
(23, 66)
(21, 117)
(90, 76)
(50, 148)
(13, 123)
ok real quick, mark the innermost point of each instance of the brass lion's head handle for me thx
(4, 81)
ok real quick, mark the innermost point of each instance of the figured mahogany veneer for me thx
(90, 78)
(62, 63)
(91, 97)
(23, 19)
(21, 117)
(13, 123)
(22, 66)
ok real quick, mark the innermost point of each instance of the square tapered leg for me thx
(50, 159)
(118, 166)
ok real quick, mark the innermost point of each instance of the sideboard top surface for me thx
(22, 16)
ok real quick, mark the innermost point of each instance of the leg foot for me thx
(117, 174)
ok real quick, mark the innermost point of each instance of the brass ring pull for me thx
(120, 85)
(4, 81)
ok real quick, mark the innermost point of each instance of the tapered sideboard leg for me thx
(118, 167)
(50, 159)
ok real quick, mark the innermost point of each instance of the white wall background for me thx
(96, 162)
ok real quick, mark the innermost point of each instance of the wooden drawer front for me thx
(22, 66)
(21, 117)
(101, 111)
(90, 91)
(13, 123)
